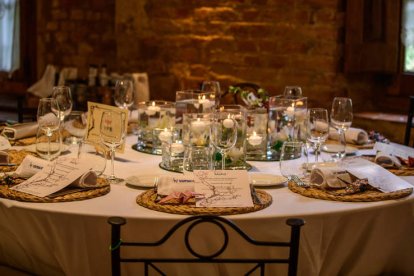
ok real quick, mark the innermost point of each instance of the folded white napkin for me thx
(20, 131)
(44, 87)
(4, 157)
(329, 177)
(30, 166)
(4, 143)
(352, 135)
(168, 184)
(87, 180)
(141, 86)
(387, 161)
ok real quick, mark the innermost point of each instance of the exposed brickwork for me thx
(273, 43)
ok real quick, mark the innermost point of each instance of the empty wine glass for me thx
(292, 92)
(223, 134)
(341, 120)
(291, 163)
(112, 133)
(212, 86)
(317, 128)
(124, 93)
(48, 122)
(63, 97)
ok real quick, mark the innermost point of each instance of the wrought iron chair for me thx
(409, 124)
(188, 224)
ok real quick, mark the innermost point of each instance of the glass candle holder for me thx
(256, 133)
(236, 156)
(153, 115)
(172, 149)
(193, 101)
(286, 121)
(196, 129)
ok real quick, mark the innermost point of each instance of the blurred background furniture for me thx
(409, 124)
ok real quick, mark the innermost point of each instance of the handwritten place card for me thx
(378, 177)
(95, 111)
(395, 150)
(55, 176)
(226, 188)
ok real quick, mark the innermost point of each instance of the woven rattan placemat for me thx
(367, 196)
(74, 195)
(15, 157)
(147, 200)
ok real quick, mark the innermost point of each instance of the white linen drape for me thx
(408, 23)
(9, 36)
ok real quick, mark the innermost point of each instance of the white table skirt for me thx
(72, 238)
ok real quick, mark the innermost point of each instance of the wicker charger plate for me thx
(15, 157)
(366, 196)
(75, 195)
(147, 200)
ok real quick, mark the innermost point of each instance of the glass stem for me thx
(343, 141)
(112, 163)
(48, 147)
(317, 149)
(223, 160)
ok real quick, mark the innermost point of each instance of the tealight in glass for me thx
(256, 134)
(193, 101)
(153, 115)
(172, 149)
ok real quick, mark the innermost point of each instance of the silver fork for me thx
(299, 181)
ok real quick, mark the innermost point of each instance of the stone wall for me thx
(179, 43)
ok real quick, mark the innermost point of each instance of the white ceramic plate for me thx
(334, 148)
(142, 181)
(32, 148)
(266, 180)
(328, 164)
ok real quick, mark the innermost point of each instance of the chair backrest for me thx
(409, 124)
(188, 224)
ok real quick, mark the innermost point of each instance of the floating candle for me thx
(255, 139)
(228, 123)
(198, 126)
(290, 111)
(177, 148)
(165, 135)
(152, 109)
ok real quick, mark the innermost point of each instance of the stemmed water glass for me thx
(341, 119)
(317, 129)
(223, 134)
(49, 122)
(63, 97)
(112, 133)
(124, 94)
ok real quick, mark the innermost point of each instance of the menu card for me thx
(223, 188)
(95, 111)
(377, 176)
(394, 149)
(55, 176)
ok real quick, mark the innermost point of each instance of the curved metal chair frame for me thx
(190, 223)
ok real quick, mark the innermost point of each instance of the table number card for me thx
(94, 121)
(223, 188)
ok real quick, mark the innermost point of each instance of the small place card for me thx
(394, 149)
(377, 176)
(55, 176)
(223, 188)
(94, 121)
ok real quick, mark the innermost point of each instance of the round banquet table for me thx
(339, 238)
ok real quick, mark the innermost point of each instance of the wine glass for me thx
(212, 86)
(49, 122)
(223, 134)
(112, 133)
(341, 119)
(292, 92)
(124, 94)
(63, 97)
(291, 163)
(317, 128)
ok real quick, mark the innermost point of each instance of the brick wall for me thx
(273, 43)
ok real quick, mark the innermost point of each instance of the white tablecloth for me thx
(339, 238)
